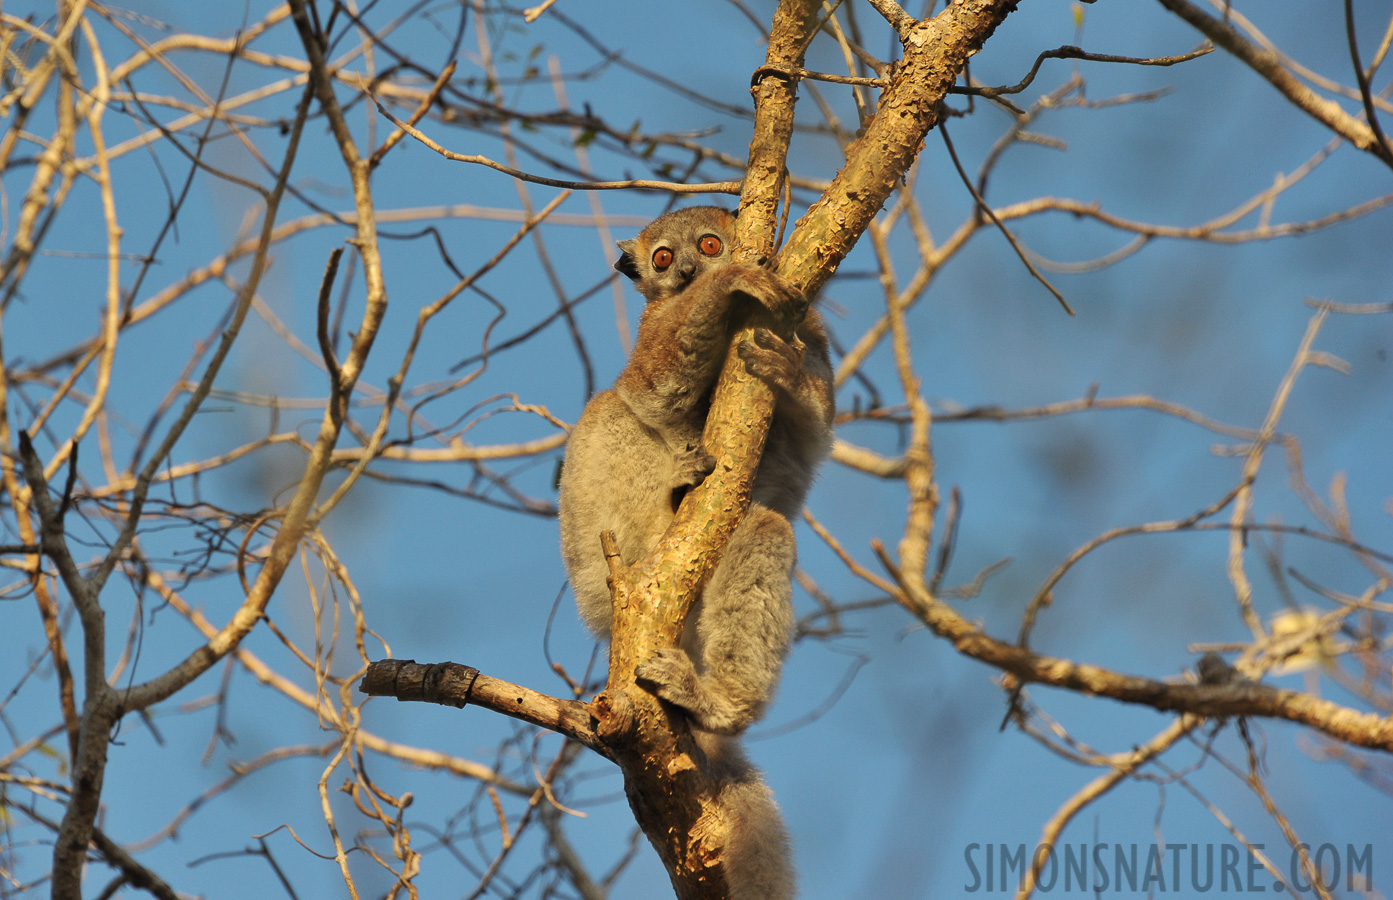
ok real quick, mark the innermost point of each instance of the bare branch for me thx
(1381, 145)
(721, 187)
(1269, 66)
(1246, 698)
(901, 21)
(1068, 51)
(451, 684)
(1010, 238)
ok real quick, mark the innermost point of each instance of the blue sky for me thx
(888, 787)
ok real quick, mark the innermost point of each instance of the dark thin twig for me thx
(719, 187)
(949, 539)
(337, 401)
(1381, 142)
(982, 205)
(547, 320)
(1069, 51)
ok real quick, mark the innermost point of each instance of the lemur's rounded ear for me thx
(626, 264)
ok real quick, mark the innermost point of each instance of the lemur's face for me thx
(675, 248)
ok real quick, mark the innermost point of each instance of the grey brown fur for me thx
(635, 453)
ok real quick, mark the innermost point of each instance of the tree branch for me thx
(451, 684)
(676, 187)
(674, 798)
(670, 794)
(1381, 146)
(935, 51)
(1238, 698)
(1269, 66)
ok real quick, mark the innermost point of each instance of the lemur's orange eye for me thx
(662, 258)
(710, 245)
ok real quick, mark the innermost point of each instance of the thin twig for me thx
(719, 187)
(987, 210)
